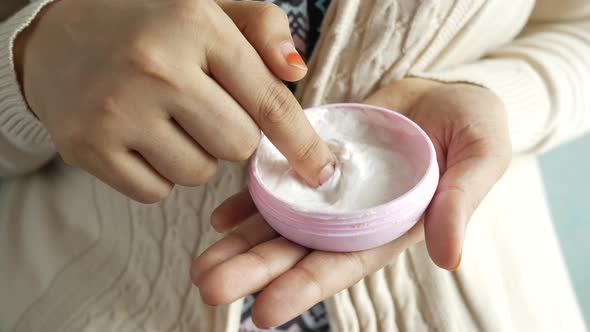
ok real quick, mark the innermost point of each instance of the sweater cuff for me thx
(520, 88)
(18, 126)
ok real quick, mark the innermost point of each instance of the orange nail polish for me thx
(295, 60)
(292, 56)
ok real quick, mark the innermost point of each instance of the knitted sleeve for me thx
(543, 76)
(25, 145)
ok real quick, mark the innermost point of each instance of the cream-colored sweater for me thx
(77, 256)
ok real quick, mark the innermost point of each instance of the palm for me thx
(472, 147)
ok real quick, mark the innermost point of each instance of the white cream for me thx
(369, 171)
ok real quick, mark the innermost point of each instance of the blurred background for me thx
(566, 172)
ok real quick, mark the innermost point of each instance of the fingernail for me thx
(292, 56)
(454, 268)
(326, 173)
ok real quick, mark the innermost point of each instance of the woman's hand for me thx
(468, 127)
(148, 94)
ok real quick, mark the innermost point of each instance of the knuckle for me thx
(108, 107)
(259, 259)
(307, 150)
(74, 146)
(245, 147)
(270, 11)
(358, 265)
(276, 105)
(183, 9)
(106, 110)
(193, 11)
(148, 59)
(255, 25)
(141, 54)
(310, 277)
(106, 119)
(89, 132)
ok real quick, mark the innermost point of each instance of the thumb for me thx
(461, 189)
(266, 27)
(472, 160)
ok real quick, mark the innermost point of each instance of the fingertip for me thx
(216, 220)
(285, 62)
(204, 263)
(211, 289)
(444, 230)
(199, 266)
(445, 252)
(266, 27)
(317, 179)
(293, 67)
(262, 317)
(327, 172)
(232, 212)
(444, 257)
(454, 268)
(195, 273)
(317, 164)
(153, 195)
(284, 299)
(207, 297)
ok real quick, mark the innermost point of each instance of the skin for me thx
(148, 94)
(468, 127)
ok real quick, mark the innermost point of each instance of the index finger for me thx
(236, 66)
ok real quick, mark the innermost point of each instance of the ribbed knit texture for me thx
(24, 142)
(77, 256)
(543, 78)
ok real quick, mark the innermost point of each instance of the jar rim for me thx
(427, 181)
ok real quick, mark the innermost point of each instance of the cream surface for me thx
(369, 171)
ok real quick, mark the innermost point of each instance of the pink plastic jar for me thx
(365, 228)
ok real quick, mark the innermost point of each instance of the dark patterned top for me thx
(305, 18)
(313, 320)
